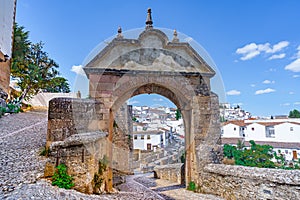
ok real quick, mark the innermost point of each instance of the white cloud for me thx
(291, 93)
(279, 46)
(268, 82)
(160, 99)
(296, 76)
(248, 51)
(297, 103)
(268, 90)
(78, 70)
(285, 104)
(264, 47)
(252, 50)
(252, 85)
(293, 66)
(132, 102)
(233, 92)
(277, 56)
(250, 55)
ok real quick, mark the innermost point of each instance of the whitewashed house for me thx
(282, 134)
(233, 129)
(149, 140)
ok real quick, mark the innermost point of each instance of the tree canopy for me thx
(294, 114)
(33, 68)
(178, 114)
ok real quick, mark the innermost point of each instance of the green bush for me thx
(13, 108)
(61, 178)
(2, 111)
(229, 150)
(256, 156)
(192, 186)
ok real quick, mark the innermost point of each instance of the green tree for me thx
(178, 114)
(58, 84)
(229, 151)
(294, 114)
(256, 156)
(33, 68)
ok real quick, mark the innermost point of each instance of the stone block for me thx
(49, 170)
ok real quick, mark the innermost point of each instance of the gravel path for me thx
(21, 168)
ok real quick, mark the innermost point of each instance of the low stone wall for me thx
(239, 182)
(172, 172)
(69, 116)
(81, 153)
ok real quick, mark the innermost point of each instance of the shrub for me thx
(61, 178)
(229, 151)
(192, 186)
(13, 108)
(2, 111)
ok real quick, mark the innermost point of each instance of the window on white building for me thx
(291, 128)
(252, 128)
(234, 129)
(148, 137)
(135, 137)
(270, 132)
(142, 137)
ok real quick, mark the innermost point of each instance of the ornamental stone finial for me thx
(175, 38)
(119, 32)
(149, 22)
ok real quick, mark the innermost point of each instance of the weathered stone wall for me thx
(68, 116)
(4, 75)
(81, 153)
(239, 182)
(74, 138)
(122, 140)
(171, 172)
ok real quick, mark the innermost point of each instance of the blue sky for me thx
(254, 44)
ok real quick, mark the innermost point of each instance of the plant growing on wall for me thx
(61, 178)
(192, 186)
(98, 177)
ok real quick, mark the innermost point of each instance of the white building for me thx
(282, 134)
(149, 140)
(233, 113)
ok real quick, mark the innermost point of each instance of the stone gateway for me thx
(81, 131)
(93, 136)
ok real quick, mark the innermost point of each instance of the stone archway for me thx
(153, 63)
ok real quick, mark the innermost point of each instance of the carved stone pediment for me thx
(152, 51)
